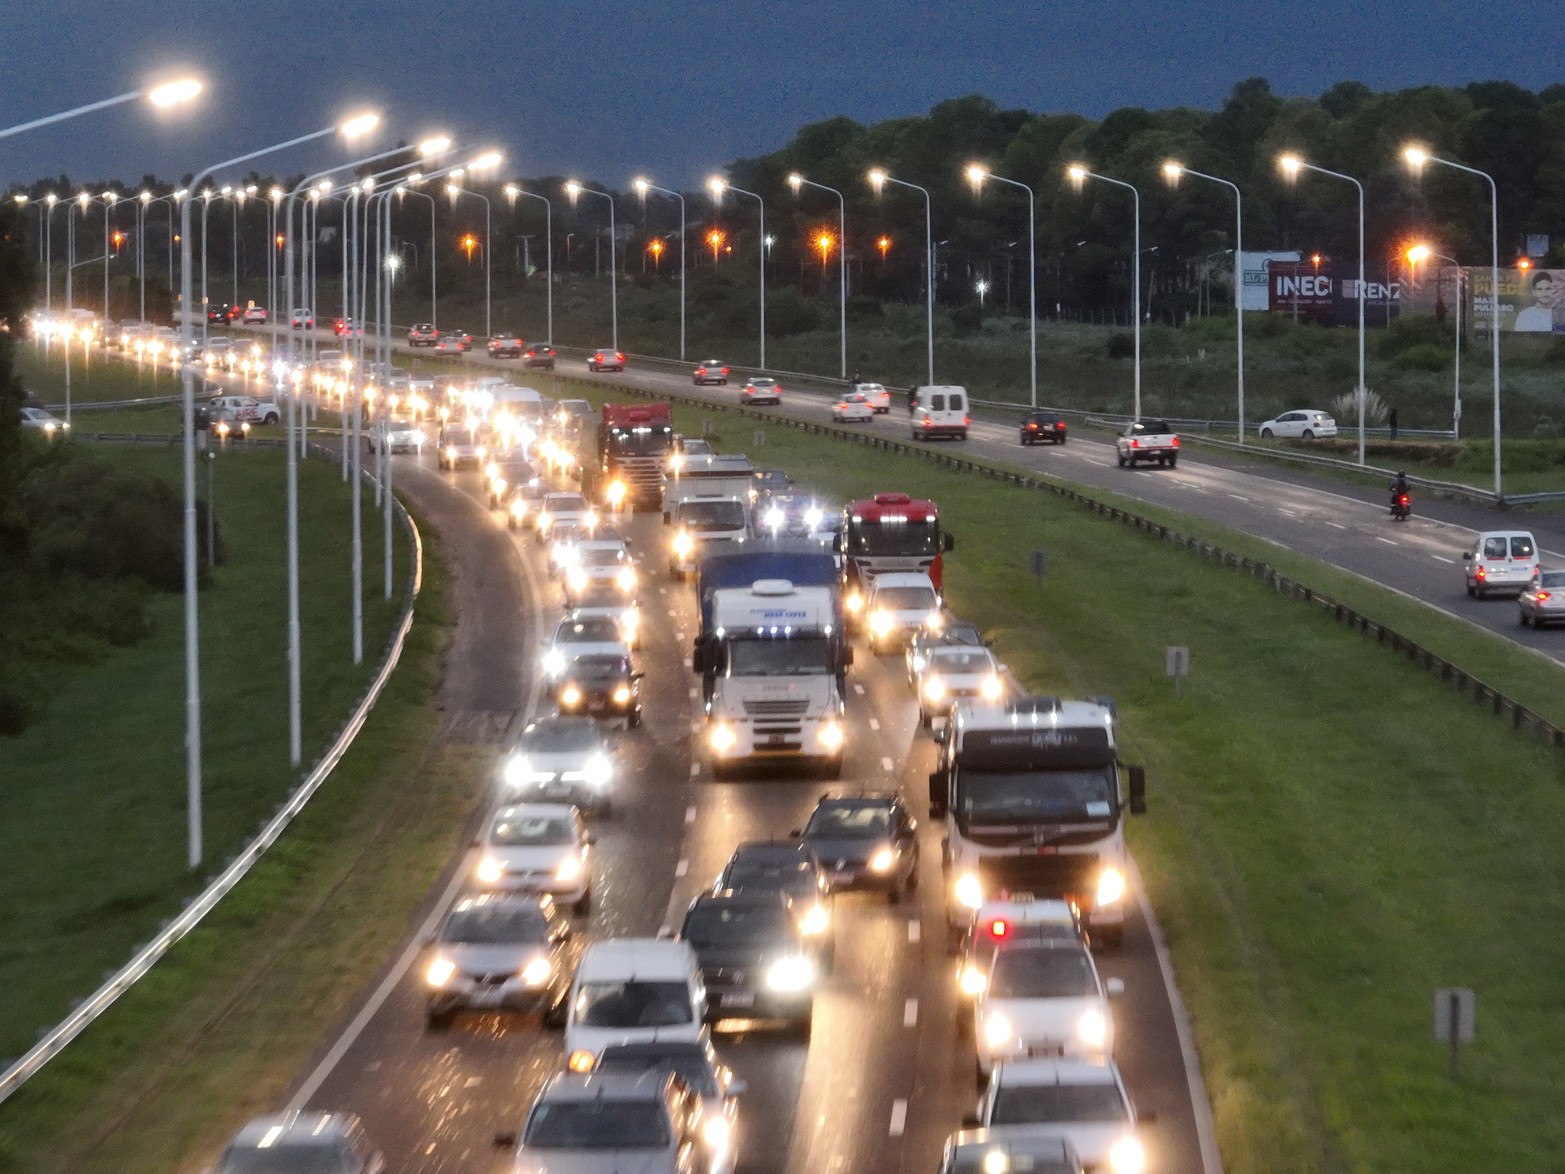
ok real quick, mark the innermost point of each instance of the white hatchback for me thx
(537, 848)
(1300, 425)
(879, 398)
(1083, 1102)
(1042, 998)
(899, 604)
(854, 405)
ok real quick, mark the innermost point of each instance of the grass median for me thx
(1333, 832)
(93, 839)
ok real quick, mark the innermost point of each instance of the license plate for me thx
(489, 996)
(739, 999)
(777, 739)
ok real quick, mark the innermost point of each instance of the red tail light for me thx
(927, 421)
(999, 928)
(966, 420)
(1176, 442)
(1481, 573)
(1134, 443)
(1544, 597)
(725, 370)
(1033, 427)
(620, 357)
(1402, 499)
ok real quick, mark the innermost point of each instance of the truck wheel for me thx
(1173, 461)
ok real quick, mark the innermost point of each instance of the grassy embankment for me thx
(1333, 833)
(94, 837)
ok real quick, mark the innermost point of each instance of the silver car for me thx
(591, 1124)
(977, 1151)
(1543, 600)
(301, 1143)
(696, 1063)
(497, 951)
(561, 759)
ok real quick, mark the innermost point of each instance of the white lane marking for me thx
(1238, 497)
(694, 692)
(874, 723)
(695, 769)
(1443, 559)
(1336, 525)
(672, 614)
(914, 931)
(1286, 512)
(858, 688)
(690, 812)
(887, 765)
(898, 1117)
(910, 1013)
(662, 590)
(1387, 541)
(681, 868)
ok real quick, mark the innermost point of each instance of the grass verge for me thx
(1334, 834)
(93, 838)
(96, 376)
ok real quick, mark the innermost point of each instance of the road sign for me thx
(706, 425)
(1177, 664)
(758, 438)
(1039, 562)
(1456, 1013)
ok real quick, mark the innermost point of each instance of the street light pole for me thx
(1417, 158)
(718, 186)
(878, 178)
(1423, 252)
(796, 181)
(162, 96)
(976, 176)
(1291, 166)
(512, 191)
(434, 289)
(1173, 171)
(643, 186)
(573, 190)
(1079, 175)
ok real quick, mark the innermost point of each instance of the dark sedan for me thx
(1043, 428)
(865, 842)
(601, 685)
(755, 959)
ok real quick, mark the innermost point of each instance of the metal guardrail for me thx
(149, 401)
(58, 1037)
(1519, 716)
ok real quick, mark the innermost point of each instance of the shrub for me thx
(1424, 356)
(1120, 345)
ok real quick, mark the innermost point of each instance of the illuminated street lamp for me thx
(1417, 158)
(485, 162)
(1079, 175)
(976, 174)
(982, 287)
(1291, 165)
(884, 245)
(1173, 171)
(574, 191)
(512, 192)
(797, 181)
(161, 96)
(714, 240)
(717, 185)
(1416, 256)
(878, 179)
(643, 186)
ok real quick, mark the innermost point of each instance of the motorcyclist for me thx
(1400, 491)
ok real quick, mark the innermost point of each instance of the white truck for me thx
(706, 474)
(705, 503)
(1147, 440)
(774, 658)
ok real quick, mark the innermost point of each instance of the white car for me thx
(760, 390)
(562, 507)
(1042, 998)
(854, 405)
(537, 848)
(600, 569)
(582, 635)
(565, 536)
(561, 759)
(401, 436)
(956, 672)
(461, 446)
(254, 316)
(625, 614)
(39, 420)
(879, 398)
(1083, 1102)
(246, 408)
(1300, 425)
(899, 604)
(302, 319)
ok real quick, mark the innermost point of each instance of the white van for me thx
(940, 410)
(631, 991)
(1501, 560)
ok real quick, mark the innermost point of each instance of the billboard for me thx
(1532, 301)
(1257, 280)
(1310, 291)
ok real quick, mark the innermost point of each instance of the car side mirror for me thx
(1115, 987)
(636, 676)
(847, 657)
(1467, 556)
(796, 834)
(972, 1121)
(737, 1088)
(505, 1140)
(1138, 790)
(948, 541)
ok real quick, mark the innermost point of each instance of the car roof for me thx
(644, 959)
(1055, 1071)
(593, 1086)
(303, 1126)
(729, 898)
(773, 851)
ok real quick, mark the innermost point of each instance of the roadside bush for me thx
(1425, 356)
(789, 312)
(864, 308)
(967, 320)
(1120, 345)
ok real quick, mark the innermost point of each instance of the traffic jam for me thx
(791, 599)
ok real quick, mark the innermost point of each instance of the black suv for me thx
(539, 354)
(755, 958)
(1040, 427)
(781, 866)
(601, 685)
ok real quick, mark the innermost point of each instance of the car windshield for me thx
(460, 438)
(589, 630)
(1030, 973)
(558, 738)
(788, 878)
(400, 426)
(1552, 579)
(713, 924)
(633, 1004)
(881, 538)
(566, 503)
(796, 656)
(850, 822)
(289, 1157)
(958, 660)
(601, 557)
(597, 1125)
(495, 924)
(1004, 797)
(712, 515)
(906, 598)
(515, 830)
(1049, 1104)
(688, 1061)
(600, 666)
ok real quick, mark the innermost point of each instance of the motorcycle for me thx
(1401, 507)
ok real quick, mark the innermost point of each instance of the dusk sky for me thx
(604, 89)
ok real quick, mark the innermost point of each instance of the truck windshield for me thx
(640, 442)
(1005, 797)
(909, 538)
(712, 515)
(788, 657)
(906, 598)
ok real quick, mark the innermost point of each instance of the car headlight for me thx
(813, 517)
(1111, 886)
(969, 890)
(880, 621)
(626, 579)
(934, 621)
(616, 493)
(816, 921)
(882, 860)
(569, 869)
(582, 1062)
(483, 451)
(490, 871)
(537, 972)
(450, 452)
(570, 695)
(1092, 1028)
(1127, 1156)
(918, 662)
(599, 771)
(972, 981)
(439, 972)
(591, 519)
(492, 471)
(577, 578)
(934, 688)
(554, 662)
(517, 771)
(774, 518)
(997, 1031)
(544, 520)
(496, 483)
(991, 689)
(830, 735)
(518, 508)
(621, 694)
(794, 973)
(683, 544)
(721, 737)
(854, 602)
(716, 1133)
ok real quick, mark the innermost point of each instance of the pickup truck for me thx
(1147, 440)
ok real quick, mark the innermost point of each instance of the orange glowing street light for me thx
(469, 242)
(825, 242)
(1523, 264)
(715, 239)
(118, 239)
(884, 245)
(655, 247)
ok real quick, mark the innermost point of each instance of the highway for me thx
(883, 1079)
